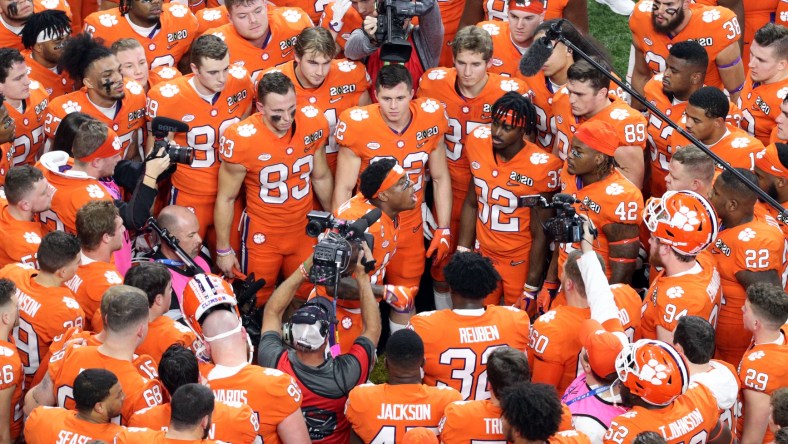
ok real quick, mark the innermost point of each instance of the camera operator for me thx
(611, 201)
(426, 39)
(325, 381)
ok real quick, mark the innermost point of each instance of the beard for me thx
(672, 23)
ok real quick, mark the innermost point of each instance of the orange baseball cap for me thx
(420, 435)
(602, 347)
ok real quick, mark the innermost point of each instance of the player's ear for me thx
(259, 107)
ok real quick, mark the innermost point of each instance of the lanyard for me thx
(586, 395)
(171, 262)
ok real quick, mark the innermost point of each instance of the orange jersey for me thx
(284, 25)
(737, 148)
(128, 121)
(383, 413)
(351, 20)
(72, 191)
(29, 135)
(696, 292)
(629, 124)
(612, 200)
(13, 376)
(10, 38)
(541, 90)
(211, 18)
(313, 9)
(176, 30)
(272, 394)
(44, 313)
(235, 423)
(554, 346)
(467, 422)
(506, 55)
(693, 413)
(278, 181)
(714, 27)
(764, 369)
(140, 391)
(93, 278)
(342, 88)
(628, 303)
(465, 114)
(55, 424)
(456, 346)
(163, 332)
(6, 154)
(384, 231)
(760, 105)
(135, 435)
(659, 132)
(21, 238)
(498, 9)
(754, 246)
(178, 99)
(162, 74)
(54, 83)
(502, 227)
(781, 14)
(364, 131)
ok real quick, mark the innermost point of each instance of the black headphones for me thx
(304, 315)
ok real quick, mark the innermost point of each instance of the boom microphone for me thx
(540, 50)
(161, 126)
(362, 223)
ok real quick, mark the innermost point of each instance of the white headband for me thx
(48, 35)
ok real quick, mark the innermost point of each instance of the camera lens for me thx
(181, 154)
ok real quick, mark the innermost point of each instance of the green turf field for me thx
(612, 31)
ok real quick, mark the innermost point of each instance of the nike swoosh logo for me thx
(512, 184)
(775, 169)
(421, 144)
(286, 53)
(335, 99)
(232, 110)
(171, 46)
(444, 241)
(516, 263)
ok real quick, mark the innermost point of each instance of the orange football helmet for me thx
(203, 293)
(685, 220)
(652, 370)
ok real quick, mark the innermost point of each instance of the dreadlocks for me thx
(515, 110)
(124, 6)
(80, 52)
(50, 22)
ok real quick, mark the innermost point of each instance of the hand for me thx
(227, 263)
(587, 244)
(400, 298)
(339, 8)
(361, 270)
(528, 298)
(546, 296)
(440, 245)
(428, 225)
(158, 165)
(370, 25)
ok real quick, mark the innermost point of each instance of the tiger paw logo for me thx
(740, 142)
(113, 278)
(134, 87)
(5, 351)
(247, 130)
(654, 372)
(95, 191)
(685, 219)
(212, 15)
(169, 90)
(108, 20)
(674, 292)
(614, 189)
(168, 73)
(291, 15)
(310, 111)
(430, 105)
(711, 16)
(358, 114)
(783, 92)
(237, 71)
(346, 66)
(492, 29)
(178, 10)
(754, 356)
(50, 4)
(509, 85)
(436, 74)
(32, 238)
(482, 132)
(71, 107)
(746, 235)
(70, 303)
(547, 317)
(619, 114)
(539, 158)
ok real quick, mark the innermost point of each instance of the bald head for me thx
(219, 322)
(182, 224)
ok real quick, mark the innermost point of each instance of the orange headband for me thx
(769, 161)
(507, 119)
(599, 135)
(109, 148)
(394, 176)
(532, 6)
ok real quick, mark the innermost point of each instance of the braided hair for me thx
(512, 106)
(49, 21)
(124, 6)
